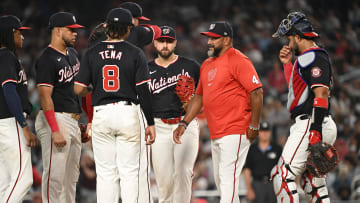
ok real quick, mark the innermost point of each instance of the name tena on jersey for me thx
(110, 54)
(156, 86)
(68, 73)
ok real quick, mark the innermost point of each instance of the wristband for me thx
(253, 128)
(321, 102)
(50, 117)
(184, 123)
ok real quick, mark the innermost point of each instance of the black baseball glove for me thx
(322, 159)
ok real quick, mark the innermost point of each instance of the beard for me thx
(296, 50)
(165, 55)
(68, 43)
(215, 52)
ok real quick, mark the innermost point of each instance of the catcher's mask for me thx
(296, 23)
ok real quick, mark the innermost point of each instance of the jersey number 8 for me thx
(111, 81)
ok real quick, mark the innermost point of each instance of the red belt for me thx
(171, 120)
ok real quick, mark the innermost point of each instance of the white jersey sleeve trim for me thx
(319, 85)
(79, 83)
(142, 82)
(45, 84)
(8, 80)
(306, 59)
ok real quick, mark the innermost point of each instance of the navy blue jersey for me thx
(11, 71)
(114, 69)
(311, 69)
(54, 69)
(166, 103)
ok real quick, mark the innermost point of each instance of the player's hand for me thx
(58, 139)
(250, 195)
(85, 132)
(178, 132)
(252, 134)
(150, 134)
(285, 55)
(30, 137)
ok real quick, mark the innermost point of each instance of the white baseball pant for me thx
(173, 163)
(116, 145)
(60, 165)
(229, 154)
(144, 173)
(15, 157)
(294, 156)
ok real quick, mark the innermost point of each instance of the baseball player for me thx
(57, 122)
(119, 74)
(230, 91)
(309, 82)
(16, 137)
(140, 36)
(173, 164)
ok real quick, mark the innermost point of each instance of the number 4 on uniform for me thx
(255, 80)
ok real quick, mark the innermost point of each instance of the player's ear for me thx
(227, 40)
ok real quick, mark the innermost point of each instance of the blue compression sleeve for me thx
(14, 103)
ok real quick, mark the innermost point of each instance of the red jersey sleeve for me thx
(244, 72)
(199, 89)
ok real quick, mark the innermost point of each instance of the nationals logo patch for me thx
(316, 72)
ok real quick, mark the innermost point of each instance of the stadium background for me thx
(337, 22)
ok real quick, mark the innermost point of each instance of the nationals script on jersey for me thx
(166, 103)
(54, 69)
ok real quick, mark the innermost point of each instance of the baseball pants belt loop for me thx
(301, 117)
(171, 120)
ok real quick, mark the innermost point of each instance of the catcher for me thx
(313, 130)
(173, 79)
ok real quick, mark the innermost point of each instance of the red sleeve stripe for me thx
(45, 84)
(142, 82)
(319, 85)
(80, 83)
(8, 80)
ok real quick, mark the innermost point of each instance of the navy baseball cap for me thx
(119, 15)
(63, 19)
(167, 32)
(11, 22)
(264, 126)
(135, 9)
(219, 29)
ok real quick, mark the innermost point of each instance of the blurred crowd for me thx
(254, 21)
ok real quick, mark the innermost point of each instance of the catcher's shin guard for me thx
(314, 188)
(284, 183)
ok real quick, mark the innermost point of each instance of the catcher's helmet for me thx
(296, 23)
